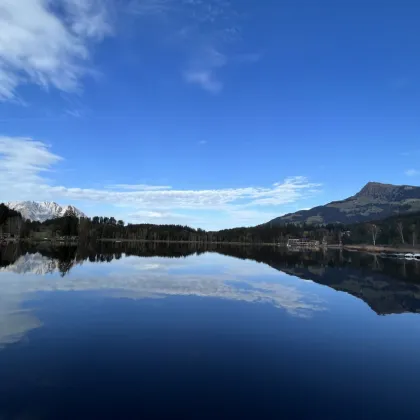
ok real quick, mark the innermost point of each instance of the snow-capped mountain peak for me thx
(42, 211)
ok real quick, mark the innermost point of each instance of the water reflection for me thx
(140, 272)
(156, 269)
(174, 324)
(15, 321)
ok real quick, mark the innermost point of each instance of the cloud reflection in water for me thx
(207, 275)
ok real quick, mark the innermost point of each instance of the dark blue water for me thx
(207, 337)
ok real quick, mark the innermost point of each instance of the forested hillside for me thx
(401, 230)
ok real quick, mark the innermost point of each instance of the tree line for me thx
(6, 213)
(98, 228)
(398, 230)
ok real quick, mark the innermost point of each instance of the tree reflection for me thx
(385, 284)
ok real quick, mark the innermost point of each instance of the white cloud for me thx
(75, 113)
(48, 44)
(23, 163)
(412, 172)
(149, 214)
(202, 69)
(139, 187)
(205, 79)
(161, 217)
(288, 192)
(89, 18)
(205, 32)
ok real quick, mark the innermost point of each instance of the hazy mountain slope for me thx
(41, 211)
(374, 201)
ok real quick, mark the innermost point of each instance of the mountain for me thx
(42, 211)
(374, 201)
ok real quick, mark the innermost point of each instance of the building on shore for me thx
(303, 243)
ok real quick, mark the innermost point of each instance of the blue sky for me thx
(212, 113)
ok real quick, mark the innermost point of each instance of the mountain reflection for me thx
(162, 271)
(387, 286)
(140, 271)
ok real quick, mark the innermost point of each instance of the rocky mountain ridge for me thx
(375, 201)
(42, 211)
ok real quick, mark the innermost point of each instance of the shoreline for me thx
(192, 242)
(379, 249)
(352, 248)
(111, 240)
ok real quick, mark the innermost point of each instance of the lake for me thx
(133, 331)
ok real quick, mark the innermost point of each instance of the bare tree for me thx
(400, 228)
(374, 230)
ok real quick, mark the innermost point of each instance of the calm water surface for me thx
(152, 331)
